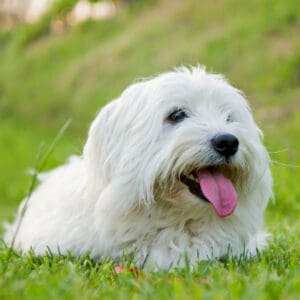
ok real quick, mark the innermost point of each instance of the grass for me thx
(71, 74)
(271, 275)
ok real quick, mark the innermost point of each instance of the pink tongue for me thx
(219, 191)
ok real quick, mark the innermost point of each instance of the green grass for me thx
(54, 77)
(273, 274)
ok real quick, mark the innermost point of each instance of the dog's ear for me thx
(96, 149)
(112, 154)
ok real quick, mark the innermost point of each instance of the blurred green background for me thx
(52, 70)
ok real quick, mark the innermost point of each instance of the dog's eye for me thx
(229, 119)
(177, 116)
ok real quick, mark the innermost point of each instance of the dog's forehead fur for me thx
(193, 89)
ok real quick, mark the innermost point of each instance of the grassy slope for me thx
(72, 74)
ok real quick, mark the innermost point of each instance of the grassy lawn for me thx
(46, 80)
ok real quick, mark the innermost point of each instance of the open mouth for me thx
(211, 185)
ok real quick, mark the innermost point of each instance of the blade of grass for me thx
(41, 162)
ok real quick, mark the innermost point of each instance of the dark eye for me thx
(229, 119)
(177, 116)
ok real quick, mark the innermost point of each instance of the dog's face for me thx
(186, 135)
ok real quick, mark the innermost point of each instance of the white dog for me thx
(172, 169)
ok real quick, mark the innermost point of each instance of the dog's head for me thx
(186, 133)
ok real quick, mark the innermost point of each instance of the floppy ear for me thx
(121, 132)
(96, 150)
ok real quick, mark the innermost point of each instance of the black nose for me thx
(225, 144)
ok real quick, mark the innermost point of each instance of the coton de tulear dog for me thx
(174, 168)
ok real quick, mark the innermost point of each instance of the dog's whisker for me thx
(278, 151)
(284, 164)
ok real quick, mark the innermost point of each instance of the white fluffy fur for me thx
(123, 193)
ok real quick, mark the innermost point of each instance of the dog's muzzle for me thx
(211, 185)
